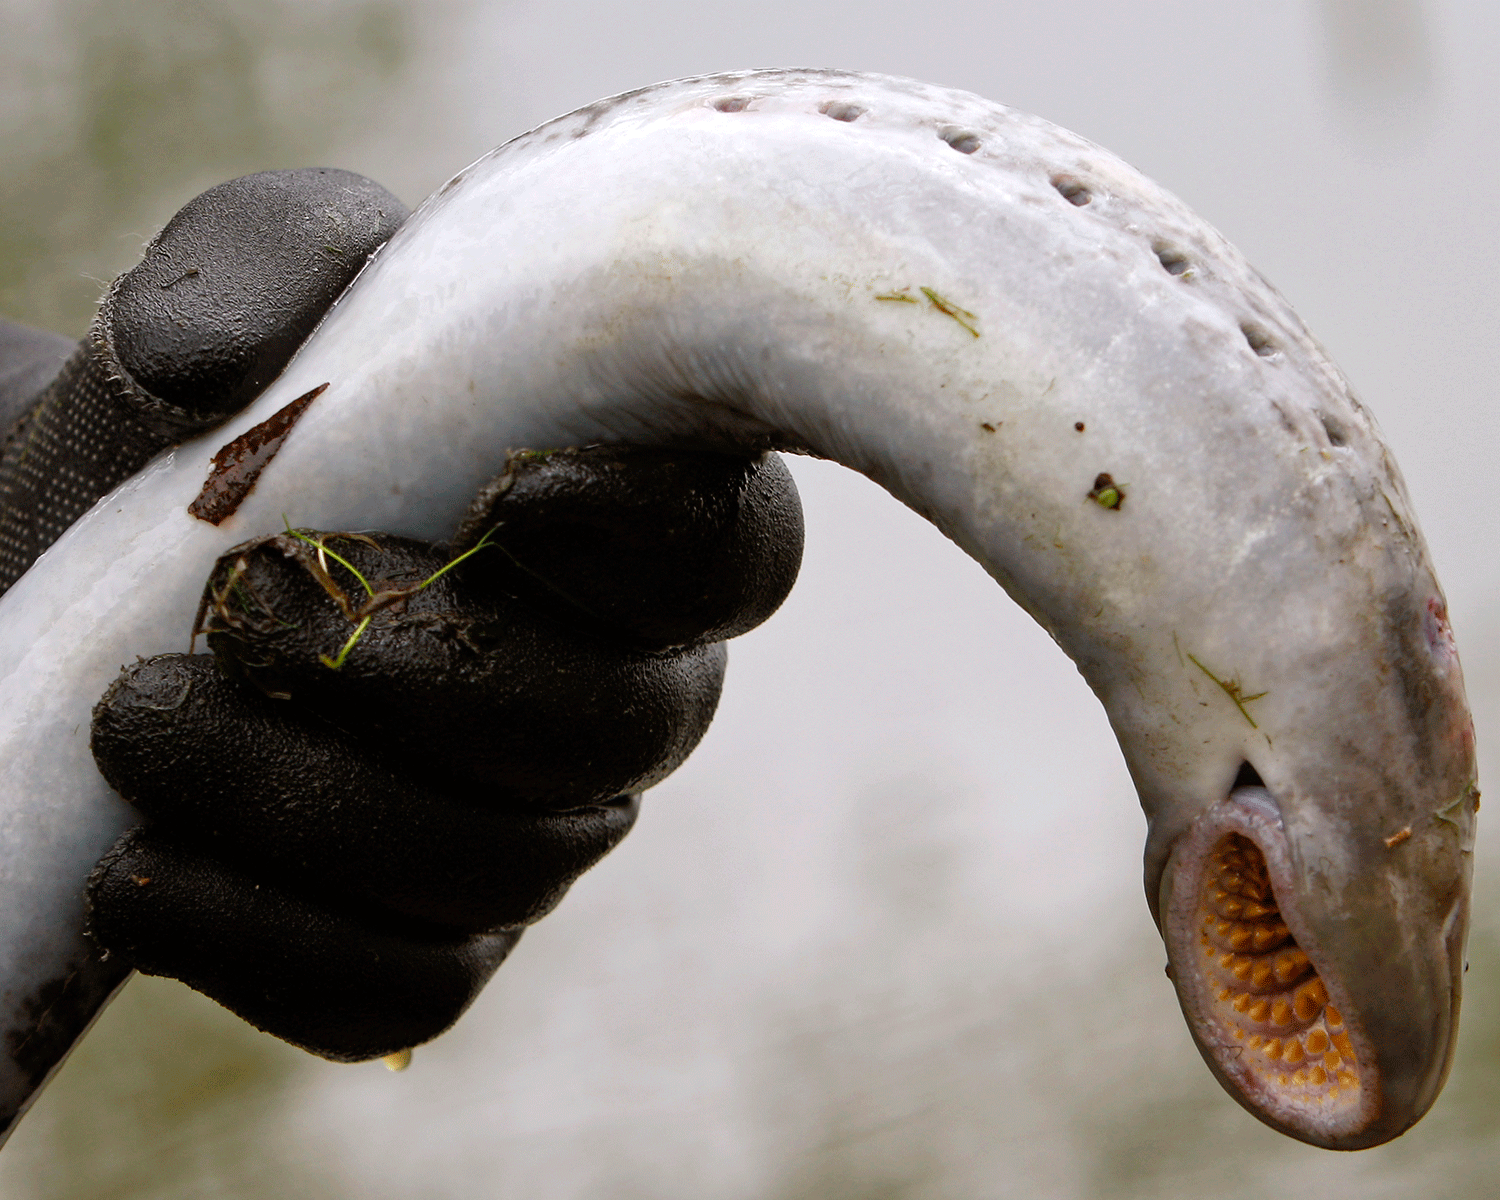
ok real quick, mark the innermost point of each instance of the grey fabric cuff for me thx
(29, 360)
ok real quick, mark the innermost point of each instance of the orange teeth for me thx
(1290, 965)
(1268, 936)
(1265, 983)
(1310, 999)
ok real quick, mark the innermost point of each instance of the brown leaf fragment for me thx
(237, 466)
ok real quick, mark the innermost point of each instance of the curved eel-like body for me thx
(988, 316)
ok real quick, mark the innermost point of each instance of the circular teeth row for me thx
(1269, 995)
(1237, 908)
(1242, 936)
(1240, 874)
(1263, 973)
(1305, 1006)
(1322, 1057)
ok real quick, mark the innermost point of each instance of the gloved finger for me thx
(496, 702)
(333, 982)
(263, 787)
(232, 286)
(661, 547)
(223, 297)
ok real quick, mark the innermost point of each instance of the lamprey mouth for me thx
(1268, 1016)
(1267, 995)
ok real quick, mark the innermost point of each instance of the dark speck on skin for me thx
(1107, 493)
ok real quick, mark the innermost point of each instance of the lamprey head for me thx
(1325, 1021)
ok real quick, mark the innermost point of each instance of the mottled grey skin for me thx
(938, 292)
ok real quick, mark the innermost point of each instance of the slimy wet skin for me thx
(1045, 354)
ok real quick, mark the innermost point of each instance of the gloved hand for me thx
(397, 754)
(224, 295)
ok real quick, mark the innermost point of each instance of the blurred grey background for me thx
(883, 936)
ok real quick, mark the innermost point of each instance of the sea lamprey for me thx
(1083, 362)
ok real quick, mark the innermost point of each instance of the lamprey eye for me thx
(1267, 994)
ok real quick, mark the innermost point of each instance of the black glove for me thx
(432, 746)
(398, 754)
(225, 294)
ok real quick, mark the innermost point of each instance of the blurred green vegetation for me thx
(115, 112)
(169, 1097)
